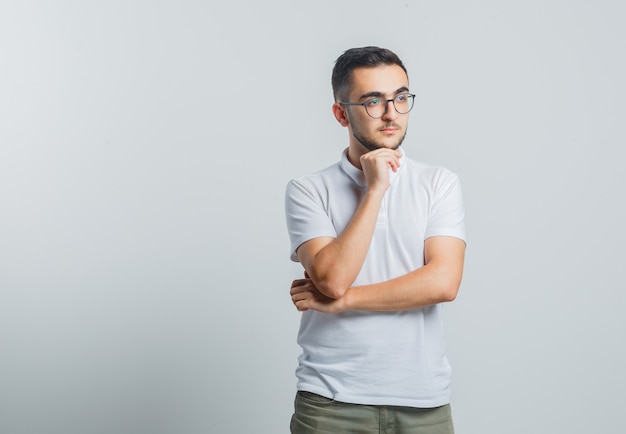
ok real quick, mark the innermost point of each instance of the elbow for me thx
(334, 290)
(449, 294)
(330, 284)
(338, 293)
(449, 289)
(448, 283)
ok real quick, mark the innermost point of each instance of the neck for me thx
(354, 157)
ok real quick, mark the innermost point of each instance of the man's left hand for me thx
(306, 296)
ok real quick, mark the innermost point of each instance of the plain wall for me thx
(144, 152)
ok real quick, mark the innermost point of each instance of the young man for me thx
(382, 241)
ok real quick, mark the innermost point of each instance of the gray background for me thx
(145, 147)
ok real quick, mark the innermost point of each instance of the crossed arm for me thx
(332, 264)
(437, 281)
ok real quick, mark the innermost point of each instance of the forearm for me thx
(436, 282)
(425, 286)
(336, 265)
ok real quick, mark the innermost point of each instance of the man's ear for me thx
(339, 111)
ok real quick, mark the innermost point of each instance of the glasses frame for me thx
(386, 101)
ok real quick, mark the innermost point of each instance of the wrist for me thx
(346, 301)
(375, 192)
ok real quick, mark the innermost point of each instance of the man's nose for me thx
(390, 111)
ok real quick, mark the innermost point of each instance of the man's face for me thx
(386, 82)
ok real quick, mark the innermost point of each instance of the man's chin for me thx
(374, 146)
(389, 143)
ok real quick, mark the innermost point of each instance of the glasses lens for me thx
(376, 107)
(403, 103)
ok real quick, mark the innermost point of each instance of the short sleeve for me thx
(306, 214)
(447, 214)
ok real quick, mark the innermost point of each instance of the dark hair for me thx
(358, 58)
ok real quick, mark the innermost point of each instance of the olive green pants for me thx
(316, 414)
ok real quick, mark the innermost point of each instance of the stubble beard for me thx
(371, 145)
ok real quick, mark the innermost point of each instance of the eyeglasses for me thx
(377, 107)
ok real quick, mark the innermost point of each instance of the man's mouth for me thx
(389, 129)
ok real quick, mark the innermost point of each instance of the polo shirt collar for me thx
(357, 174)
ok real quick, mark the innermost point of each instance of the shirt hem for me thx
(378, 400)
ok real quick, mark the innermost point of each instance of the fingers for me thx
(301, 293)
(383, 155)
(302, 300)
(305, 296)
(300, 285)
(376, 165)
(394, 163)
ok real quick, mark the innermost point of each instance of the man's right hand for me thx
(376, 165)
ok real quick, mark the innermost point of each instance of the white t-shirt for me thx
(377, 358)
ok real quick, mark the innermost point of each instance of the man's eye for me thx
(401, 98)
(373, 102)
